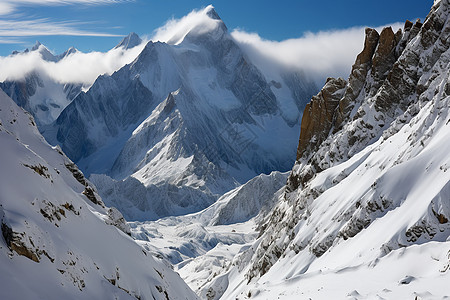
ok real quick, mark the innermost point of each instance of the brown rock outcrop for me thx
(318, 115)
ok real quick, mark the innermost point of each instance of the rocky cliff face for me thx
(391, 79)
(369, 156)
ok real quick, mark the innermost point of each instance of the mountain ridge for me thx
(369, 189)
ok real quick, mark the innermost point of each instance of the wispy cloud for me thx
(9, 6)
(14, 24)
(174, 30)
(42, 27)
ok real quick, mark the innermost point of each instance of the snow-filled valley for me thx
(188, 172)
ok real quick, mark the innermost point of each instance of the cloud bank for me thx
(319, 55)
(77, 67)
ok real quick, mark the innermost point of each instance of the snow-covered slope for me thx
(189, 119)
(367, 206)
(59, 241)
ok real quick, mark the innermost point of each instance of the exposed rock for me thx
(318, 115)
(41, 170)
(383, 58)
(77, 174)
(90, 194)
(117, 219)
(357, 76)
(15, 242)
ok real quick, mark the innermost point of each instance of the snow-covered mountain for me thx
(188, 120)
(37, 92)
(59, 241)
(366, 210)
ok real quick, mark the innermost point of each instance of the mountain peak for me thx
(129, 41)
(211, 12)
(196, 24)
(43, 51)
(36, 46)
(66, 53)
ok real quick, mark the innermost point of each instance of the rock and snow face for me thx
(58, 240)
(44, 98)
(185, 122)
(369, 194)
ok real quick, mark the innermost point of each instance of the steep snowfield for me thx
(406, 191)
(58, 240)
(367, 206)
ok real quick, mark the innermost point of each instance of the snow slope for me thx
(59, 241)
(367, 207)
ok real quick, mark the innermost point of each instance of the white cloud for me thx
(174, 30)
(76, 68)
(320, 55)
(6, 8)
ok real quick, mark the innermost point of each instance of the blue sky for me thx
(100, 24)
